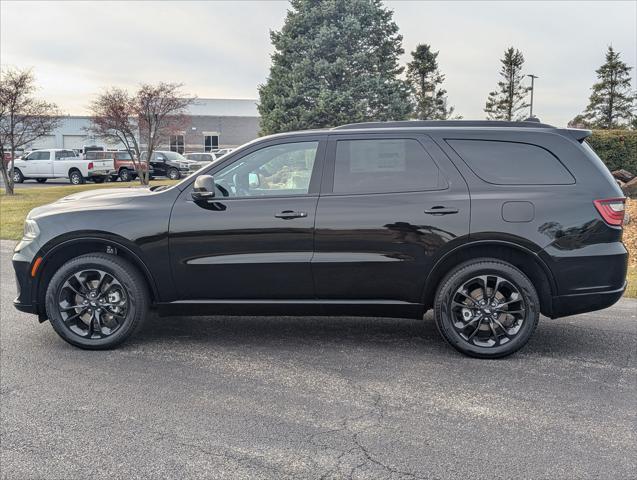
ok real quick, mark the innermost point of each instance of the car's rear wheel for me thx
(41, 180)
(97, 301)
(17, 176)
(76, 177)
(486, 308)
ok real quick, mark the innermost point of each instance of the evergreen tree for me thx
(509, 100)
(335, 62)
(612, 102)
(430, 100)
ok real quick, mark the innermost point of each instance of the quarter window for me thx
(283, 169)
(511, 163)
(384, 165)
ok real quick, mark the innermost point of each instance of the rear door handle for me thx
(440, 210)
(289, 214)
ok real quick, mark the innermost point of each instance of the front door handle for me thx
(440, 210)
(289, 214)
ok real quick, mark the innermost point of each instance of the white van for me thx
(58, 163)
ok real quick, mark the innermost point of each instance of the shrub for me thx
(617, 148)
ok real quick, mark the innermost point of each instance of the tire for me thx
(125, 175)
(174, 174)
(498, 333)
(127, 289)
(17, 176)
(76, 178)
(41, 180)
(99, 179)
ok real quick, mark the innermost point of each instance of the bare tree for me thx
(142, 120)
(114, 119)
(23, 118)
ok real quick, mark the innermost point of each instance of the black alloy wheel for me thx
(97, 301)
(486, 308)
(93, 303)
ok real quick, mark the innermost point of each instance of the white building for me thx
(212, 123)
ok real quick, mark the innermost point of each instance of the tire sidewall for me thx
(76, 175)
(464, 273)
(17, 176)
(124, 175)
(174, 174)
(125, 274)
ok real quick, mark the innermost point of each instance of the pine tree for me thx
(508, 102)
(612, 102)
(335, 62)
(430, 100)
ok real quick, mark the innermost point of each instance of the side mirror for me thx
(203, 188)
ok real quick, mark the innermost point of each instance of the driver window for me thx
(283, 169)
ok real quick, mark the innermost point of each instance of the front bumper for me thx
(25, 300)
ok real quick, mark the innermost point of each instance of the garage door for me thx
(74, 141)
(48, 141)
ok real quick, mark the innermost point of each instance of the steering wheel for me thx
(225, 190)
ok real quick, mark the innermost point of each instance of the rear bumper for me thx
(101, 173)
(587, 279)
(565, 305)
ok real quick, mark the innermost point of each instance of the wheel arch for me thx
(519, 256)
(59, 251)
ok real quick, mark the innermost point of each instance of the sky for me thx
(222, 49)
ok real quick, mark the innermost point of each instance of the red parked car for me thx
(124, 166)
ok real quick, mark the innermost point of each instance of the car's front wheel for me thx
(486, 308)
(17, 176)
(96, 301)
(174, 174)
(125, 175)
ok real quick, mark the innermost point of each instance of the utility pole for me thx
(533, 77)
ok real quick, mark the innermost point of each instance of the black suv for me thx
(168, 164)
(487, 223)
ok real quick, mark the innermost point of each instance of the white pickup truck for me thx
(58, 163)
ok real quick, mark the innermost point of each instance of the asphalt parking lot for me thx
(51, 182)
(317, 398)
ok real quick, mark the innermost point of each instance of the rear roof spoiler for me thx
(578, 134)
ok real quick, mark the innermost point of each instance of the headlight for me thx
(31, 230)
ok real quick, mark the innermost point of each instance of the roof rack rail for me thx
(528, 123)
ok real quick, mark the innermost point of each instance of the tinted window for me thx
(61, 154)
(283, 169)
(39, 156)
(509, 163)
(383, 165)
(122, 156)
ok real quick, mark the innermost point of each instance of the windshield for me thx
(174, 156)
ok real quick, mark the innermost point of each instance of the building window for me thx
(210, 142)
(177, 143)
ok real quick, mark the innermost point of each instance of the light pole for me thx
(533, 77)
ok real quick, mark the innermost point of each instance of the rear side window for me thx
(512, 163)
(122, 156)
(384, 166)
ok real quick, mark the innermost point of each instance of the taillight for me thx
(611, 210)
(90, 165)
